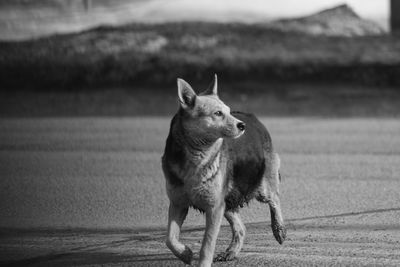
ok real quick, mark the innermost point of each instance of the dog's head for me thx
(205, 115)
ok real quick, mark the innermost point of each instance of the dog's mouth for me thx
(233, 133)
(239, 135)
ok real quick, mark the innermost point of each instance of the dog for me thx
(216, 161)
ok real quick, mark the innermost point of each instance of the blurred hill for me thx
(337, 21)
(25, 19)
(335, 45)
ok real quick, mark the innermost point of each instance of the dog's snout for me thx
(241, 126)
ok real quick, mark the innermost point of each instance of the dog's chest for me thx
(203, 182)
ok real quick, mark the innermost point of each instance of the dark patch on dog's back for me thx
(246, 165)
(175, 155)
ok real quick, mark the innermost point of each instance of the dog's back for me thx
(246, 157)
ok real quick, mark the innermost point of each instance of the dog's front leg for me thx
(213, 223)
(176, 216)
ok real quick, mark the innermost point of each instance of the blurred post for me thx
(395, 16)
(87, 4)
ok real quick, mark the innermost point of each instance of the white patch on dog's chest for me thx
(204, 184)
(203, 176)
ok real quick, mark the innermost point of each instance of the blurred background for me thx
(87, 90)
(97, 57)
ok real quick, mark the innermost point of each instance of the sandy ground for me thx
(89, 191)
(343, 240)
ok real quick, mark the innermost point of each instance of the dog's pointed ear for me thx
(187, 96)
(213, 88)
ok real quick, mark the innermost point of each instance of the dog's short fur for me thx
(216, 161)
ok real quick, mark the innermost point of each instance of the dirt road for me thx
(340, 240)
(89, 191)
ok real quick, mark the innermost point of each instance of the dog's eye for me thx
(218, 113)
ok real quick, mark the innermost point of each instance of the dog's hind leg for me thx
(238, 234)
(269, 193)
(277, 224)
(176, 216)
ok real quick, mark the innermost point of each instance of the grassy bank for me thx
(157, 54)
(272, 99)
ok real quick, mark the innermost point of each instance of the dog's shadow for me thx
(85, 258)
(93, 256)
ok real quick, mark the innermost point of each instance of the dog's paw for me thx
(225, 256)
(279, 233)
(186, 256)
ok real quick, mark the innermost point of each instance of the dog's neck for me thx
(199, 151)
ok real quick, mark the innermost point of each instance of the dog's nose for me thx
(241, 126)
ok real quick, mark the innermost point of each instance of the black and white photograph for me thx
(199, 133)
